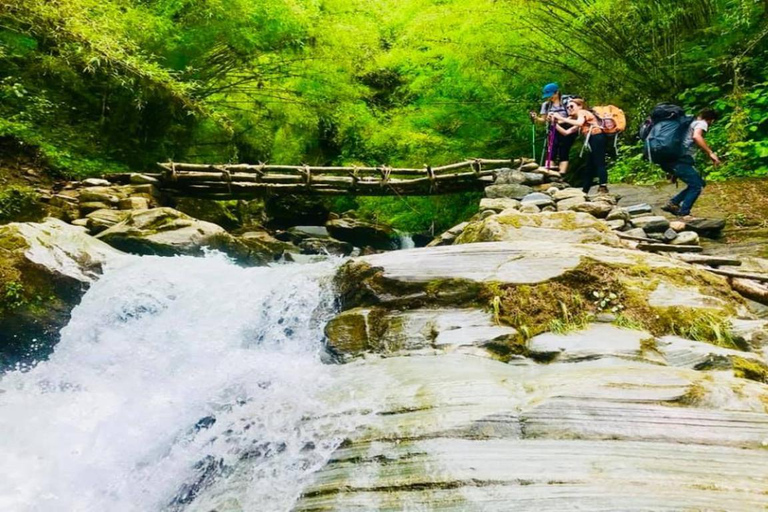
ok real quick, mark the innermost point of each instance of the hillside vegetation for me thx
(108, 85)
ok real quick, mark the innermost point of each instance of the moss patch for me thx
(750, 369)
(571, 300)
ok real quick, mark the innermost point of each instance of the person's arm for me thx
(564, 131)
(698, 139)
(579, 121)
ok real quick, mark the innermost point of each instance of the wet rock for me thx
(636, 232)
(95, 182)
(296, 234)
(509, 191)
(670, 235)
(686, 238)
(283, 211)
(639, 209)
(44, 271)
(677, 225)
(168, 232)
(86, 208)
(530, 209)
(511, 225)
(363, 234)
(596, 209)
(215, 212)
(327, 246)
(141, 179)
(586, 435)
(100, 220)
(618, 214)
(94, 195)
(651, 224)
(533, 178)
(599, 340)
(617, 225)
(570, 203)
(375, 330)
(570, 193)
(510, 177)
(499, 205)
(449, 237)
(133, 203)
(710, 228)
(537, 199)
(264, 243)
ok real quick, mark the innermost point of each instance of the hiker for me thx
(683, 168)
(581, 119)
(558, 144)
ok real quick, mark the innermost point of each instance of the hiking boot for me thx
(671, 208)
(602, 189)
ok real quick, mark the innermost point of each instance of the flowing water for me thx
(179, 384)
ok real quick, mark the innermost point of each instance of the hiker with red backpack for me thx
(581, 119)
(671, 140)
(558, 146)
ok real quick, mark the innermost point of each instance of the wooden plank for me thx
(763, 278)
(708, 260)
(636, 238)
(751, 290)
(656, 247)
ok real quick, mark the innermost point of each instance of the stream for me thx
(178, 384)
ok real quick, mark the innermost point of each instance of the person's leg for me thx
(564, 151)
(590, 170)
(685, 171)
(598, 150)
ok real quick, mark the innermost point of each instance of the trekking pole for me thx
(550, 146)
(533, 139)
(544, 149)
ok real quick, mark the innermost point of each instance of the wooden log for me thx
(656, 247)
(636, 238)
(751, 290)
(459, 165)
(763, 278)
(250, 168)
(713, 261)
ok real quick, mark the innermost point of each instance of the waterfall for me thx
(179, 384)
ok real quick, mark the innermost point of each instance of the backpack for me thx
(611, 119)
(663, 133)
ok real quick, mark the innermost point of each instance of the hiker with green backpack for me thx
(671, 140)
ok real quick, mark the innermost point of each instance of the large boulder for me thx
(555, 226)
(511, 191)
(168, 232)
(363, 234)
(283, 211)
(221, 213)
(44, 271)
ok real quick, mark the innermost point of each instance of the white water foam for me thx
(179, 384)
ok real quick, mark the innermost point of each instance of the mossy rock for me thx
(39, 290)
(221, 213)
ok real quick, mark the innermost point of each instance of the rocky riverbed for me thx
(531, 359)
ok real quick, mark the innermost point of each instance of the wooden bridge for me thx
(244, 181)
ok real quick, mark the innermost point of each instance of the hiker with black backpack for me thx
(671, 140)
(558, 146)
(580, 119)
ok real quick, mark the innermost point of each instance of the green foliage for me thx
(19, 204)
(110, 85)
(13, 295)
(433, 214)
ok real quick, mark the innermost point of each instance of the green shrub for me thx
(19, 204)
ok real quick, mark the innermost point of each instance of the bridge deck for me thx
(243, 181)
